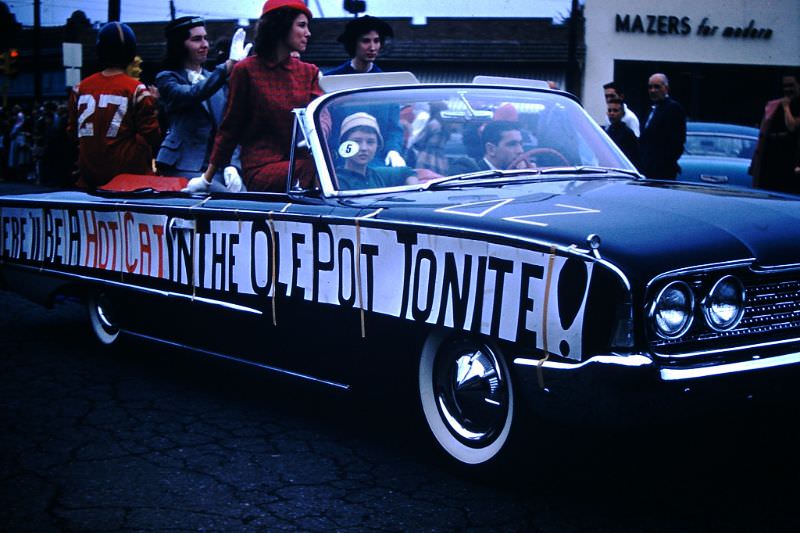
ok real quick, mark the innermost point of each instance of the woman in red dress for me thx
(264, 89)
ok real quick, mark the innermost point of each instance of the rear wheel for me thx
(467, 398)
(101, 318)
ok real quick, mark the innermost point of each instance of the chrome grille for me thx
(772, 312)
(773, 304)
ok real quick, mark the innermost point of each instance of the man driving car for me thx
(502, 147)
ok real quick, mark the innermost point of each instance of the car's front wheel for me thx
(101, 318)
(467, 397)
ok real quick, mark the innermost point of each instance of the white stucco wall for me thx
(604, 44)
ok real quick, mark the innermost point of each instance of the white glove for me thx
(198, 184)
(238, 50)
(233, 182)
(394, 159)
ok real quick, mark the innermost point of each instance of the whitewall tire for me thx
(101, 318)
(467, 397)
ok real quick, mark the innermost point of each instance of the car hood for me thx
(646, 227)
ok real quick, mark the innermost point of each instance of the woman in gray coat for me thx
(194, 100)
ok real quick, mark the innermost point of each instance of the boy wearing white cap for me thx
(359, 141)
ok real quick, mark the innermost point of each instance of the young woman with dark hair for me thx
(363, 38)
(194, 100)
(263, 91)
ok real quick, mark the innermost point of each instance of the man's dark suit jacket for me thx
(465, 165)
(662, 140)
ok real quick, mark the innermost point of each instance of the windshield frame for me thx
(311, 123)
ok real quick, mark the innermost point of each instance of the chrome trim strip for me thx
(770, 269)
(571, 249)
(676, 374)
(710, 267)
(728, 350)
(374, 214)
(614, 268)
(721, 134)
(220, 303)
(240, 360)
(618, 360)
(140, 288)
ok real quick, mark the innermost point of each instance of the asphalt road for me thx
(146, 438)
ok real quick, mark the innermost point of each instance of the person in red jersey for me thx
(113, 116)
(264, 89)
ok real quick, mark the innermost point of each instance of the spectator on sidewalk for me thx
(20, 159)
(619, 132)
(613, 91)
(664, 132)
(776, 160)
(5, 127)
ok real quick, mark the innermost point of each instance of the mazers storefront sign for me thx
(672, 25)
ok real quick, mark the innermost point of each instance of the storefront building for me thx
(724, 58)
(441, 50)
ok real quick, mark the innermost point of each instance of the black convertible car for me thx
(561, 284)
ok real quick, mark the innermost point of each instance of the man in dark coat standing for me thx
(664, 132)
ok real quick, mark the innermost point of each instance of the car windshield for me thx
(718, 145)
(381, 138)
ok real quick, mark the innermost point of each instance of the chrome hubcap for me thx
(105, 312)
(471, 393)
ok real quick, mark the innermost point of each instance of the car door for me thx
(256, 260)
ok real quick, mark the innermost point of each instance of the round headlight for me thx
(724, 305)
(672, 310)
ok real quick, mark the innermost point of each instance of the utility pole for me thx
(37, 50)
(573, 81)
(171, 9)
(113, 10)
(9, 53)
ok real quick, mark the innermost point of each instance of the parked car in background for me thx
(573, 288)
(718, 153)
